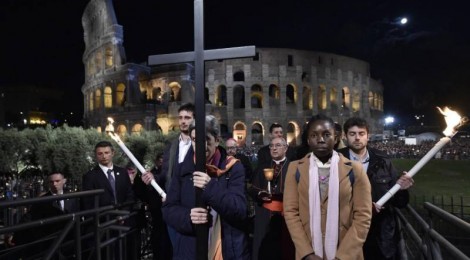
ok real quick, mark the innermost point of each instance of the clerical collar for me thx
(356, 157)
(279, 161)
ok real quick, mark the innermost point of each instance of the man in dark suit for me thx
(271, 239)
(113, 179)
(56, 182)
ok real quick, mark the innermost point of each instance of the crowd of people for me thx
(457, 149)
(313, 202)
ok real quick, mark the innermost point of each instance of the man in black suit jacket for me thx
(103, 176)
(56, 182)
(98, 178)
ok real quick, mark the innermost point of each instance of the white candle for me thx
(134, 160)
(415, 169)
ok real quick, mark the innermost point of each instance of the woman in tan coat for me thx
(325, 218)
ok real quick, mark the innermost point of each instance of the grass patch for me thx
(438, 177)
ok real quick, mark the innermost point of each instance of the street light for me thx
(389, 120)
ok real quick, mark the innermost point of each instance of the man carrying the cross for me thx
(223, 186)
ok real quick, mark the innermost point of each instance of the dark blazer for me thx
(382, 239)
(43, 211)
(96, 179)
(170, 160)
(52, 209)
(224, 194)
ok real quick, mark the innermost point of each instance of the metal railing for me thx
(91, 227)
(428, 242)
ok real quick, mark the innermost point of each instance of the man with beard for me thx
(176, 151)
(382, 240)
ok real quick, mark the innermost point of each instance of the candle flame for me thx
(453, 120)
(109, 127)
(268, 173)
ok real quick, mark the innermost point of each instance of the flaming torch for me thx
(453, 121)
(110, 130)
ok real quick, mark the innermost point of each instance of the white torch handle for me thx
(429, 155)
(137, 163)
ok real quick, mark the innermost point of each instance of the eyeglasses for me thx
(231, 148)
(275, 146)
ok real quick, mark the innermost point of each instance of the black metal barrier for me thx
(94, 225)
(429, 243)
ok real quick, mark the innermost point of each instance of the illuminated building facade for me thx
(247, 95)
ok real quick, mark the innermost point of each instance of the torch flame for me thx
(109, 126)
(453, 120)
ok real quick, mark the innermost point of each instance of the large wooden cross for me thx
(199, 56)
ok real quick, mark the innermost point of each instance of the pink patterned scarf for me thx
(331, 237)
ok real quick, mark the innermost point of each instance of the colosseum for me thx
(247, 95)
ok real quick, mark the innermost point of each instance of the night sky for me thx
(423, 64)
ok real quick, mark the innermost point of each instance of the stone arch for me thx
(108, 97)
(137, 129)
(121, 130)
(346, 102)
(257, 133)
(97, 99)
(371, 100)
(376, 100)
(293, 130)
(307, 101)
(239, 97)
(356, 101)
(239, 76)
(322, 97)
(274, 95)
(239, 132)
(90, 101)
(221, 95)
(334, 96)
(256, 96)
(90, 67)
(381, 103)
(109, 56)
(291, 94)
(175, 91)
(98, 61)
(120, 94)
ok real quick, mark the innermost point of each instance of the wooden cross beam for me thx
(216, 54)
(199, 56)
